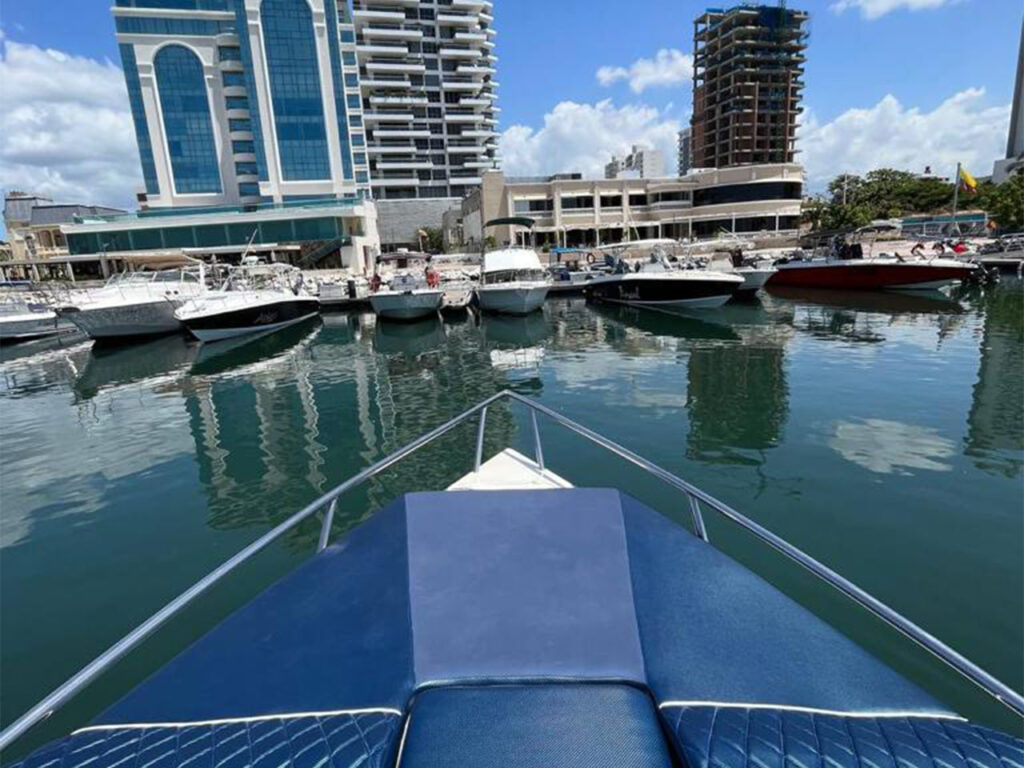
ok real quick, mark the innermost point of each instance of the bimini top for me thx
(511, 259)
(527, 628)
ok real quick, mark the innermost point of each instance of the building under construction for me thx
(748, 68)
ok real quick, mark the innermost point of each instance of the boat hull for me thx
(868, 276)
(35, 325)
(241, 321)
(512, 300)
(668, 293)
(406, 306)
(753, 279)
(150, 318)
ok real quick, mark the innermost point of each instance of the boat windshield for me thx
(513, 276)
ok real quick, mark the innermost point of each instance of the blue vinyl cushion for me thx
(538, 726)
(738, 737)
(365, 740)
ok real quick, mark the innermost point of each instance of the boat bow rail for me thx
(696, 502)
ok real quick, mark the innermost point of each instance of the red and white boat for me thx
(872, 274)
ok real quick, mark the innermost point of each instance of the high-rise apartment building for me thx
(243, 101)
(685, 162)
(1014, 159)
(428, 87)
(747, 83)
(640, 163)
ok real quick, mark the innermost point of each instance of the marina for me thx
(794, 409)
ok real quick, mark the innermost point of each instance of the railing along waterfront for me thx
(328, 503)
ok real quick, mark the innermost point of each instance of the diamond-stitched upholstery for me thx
(738, 737)
(333, 741)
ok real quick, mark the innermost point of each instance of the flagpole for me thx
(956, 196)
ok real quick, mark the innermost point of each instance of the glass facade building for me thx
(243, 101)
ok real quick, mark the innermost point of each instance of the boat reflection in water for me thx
(515, 344)
(243, 352)
(409, 339)
(662, 324)
(156, 362)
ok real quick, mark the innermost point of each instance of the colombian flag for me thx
(967, 181)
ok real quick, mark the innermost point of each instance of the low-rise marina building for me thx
(569, 210)
(322, 233)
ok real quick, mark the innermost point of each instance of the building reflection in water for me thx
(276, 427)
(995, 423)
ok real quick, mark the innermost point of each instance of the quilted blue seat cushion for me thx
(740, 737)
(534, 726)
(363, 740)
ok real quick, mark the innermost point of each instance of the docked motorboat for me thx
(456, 297)
(846, 270)
(407, 298)
(249, 304)
(517, 620)
(22, 319)
(512, 282)
(134, 304)
(754, 271)
(657, 284)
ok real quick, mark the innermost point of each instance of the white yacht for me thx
(512, 282)
(657, 284)
(134, 303)
(22, 320)
(407, 298)
(251, 302)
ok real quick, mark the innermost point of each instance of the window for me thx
(745, 193)
(359, 158)
(233, 79)
(351, 80)
(243, 147)
(348, 36)
(239, 125)
(155, 26)
(246, 169)
(354, 102)
(349, 58)
(577, 202)
(534, 206)
(249, 189)
(294, 72)
(185, 105)
(362, 177)
(611, 201)
(131, 74)
(355, 121)
(357, 140)
(236, 102)
(637, 200)
(232, 53)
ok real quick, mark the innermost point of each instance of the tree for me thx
(1005, 202)
(432, 239)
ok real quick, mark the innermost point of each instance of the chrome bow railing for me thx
(696, 499)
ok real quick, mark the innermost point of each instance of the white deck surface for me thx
(509, 471)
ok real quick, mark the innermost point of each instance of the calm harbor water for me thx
(882, 433)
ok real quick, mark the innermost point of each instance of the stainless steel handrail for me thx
(992, 686)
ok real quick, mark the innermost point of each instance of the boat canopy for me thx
(511, 259)
(514, 221)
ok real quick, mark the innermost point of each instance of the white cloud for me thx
(583, 137)
(669, 66)
(889, 135)
(65, 127)
(873, 9)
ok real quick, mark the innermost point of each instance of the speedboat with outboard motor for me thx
(657, 284)
(251, 302)
(846, 268)
(134, 304)
(755, 271)
(22, 319)
(407, 298)
(516, 620)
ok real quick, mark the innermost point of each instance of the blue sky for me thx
(889, 82)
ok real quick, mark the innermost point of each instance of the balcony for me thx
(454, 117)
(364, 16)
(369, 83)
(474, 149)
(399, 66)
(479, 134)
(401, 133)
(405, 165)
(470, 37)
(459, 53)
(474, 69)
(397, 49)
(391, 33)
(387, 117)
(235, 90)
(416, 100)
(397, 181)
(457, 19)
(460, 85)
(391, 150)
